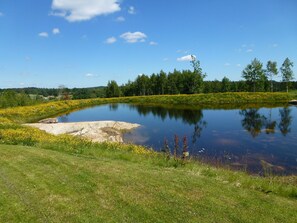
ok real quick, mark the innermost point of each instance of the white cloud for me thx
(131, 10)
(82, 10)
(111, 40)
(120, 19)
(152, 43)
(134, 37)
(1, 14)
(56, 31)
(227, 64)
(274, 45)
(43, 34)
(165, 59)
(186, 58)
(238, 65)
(249, 50)
(90, 75)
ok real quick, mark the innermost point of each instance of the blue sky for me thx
(85, 43)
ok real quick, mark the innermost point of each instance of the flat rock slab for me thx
(99, 131)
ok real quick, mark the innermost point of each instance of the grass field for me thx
(39, 185)
(45, 178)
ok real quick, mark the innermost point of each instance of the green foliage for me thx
(271, 70)
(287, 72)
(176, 82)
(85, 93)
(254, 75)
(198, 76)
(11, 98)
(226, 85)
(112, 90)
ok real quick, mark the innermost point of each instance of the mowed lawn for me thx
(39, 185)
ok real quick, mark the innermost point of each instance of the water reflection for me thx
(188, 116)
(270, 124)
(245, 139)
(286, 120)
(253, 121)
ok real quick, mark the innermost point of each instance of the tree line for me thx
(256, 78)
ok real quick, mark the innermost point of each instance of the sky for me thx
(86, 43)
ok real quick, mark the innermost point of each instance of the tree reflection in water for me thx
(253, 121)
(188, 116)
(286, 120)
(270, 124)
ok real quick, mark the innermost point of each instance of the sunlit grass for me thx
(39, 185)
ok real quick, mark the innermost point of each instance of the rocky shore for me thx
(97, 131)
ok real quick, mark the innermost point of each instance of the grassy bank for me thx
(45, 178)
(42, 185)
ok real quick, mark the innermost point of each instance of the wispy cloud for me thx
(120, 19)
(131, 10)
(134, 37)
(238, 65)
(74, 11)
(248, 48)
(56, 31)
(227, 64)
(152, 43)
(90, 75)
(110, 40)
(1, 14)
(186, 58)
(43, 34)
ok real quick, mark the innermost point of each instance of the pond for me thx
(259, 141)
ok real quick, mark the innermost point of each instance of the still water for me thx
(255, 140)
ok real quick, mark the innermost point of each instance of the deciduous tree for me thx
(112, 89)
(271, 70)
(287, 72)
(253, 73)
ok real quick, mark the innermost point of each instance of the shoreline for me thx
(96, 131)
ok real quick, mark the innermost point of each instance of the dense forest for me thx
(255, 78)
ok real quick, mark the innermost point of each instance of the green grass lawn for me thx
(42, 185)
